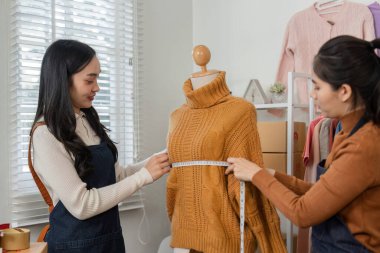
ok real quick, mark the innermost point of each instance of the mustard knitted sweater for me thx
(202, 202)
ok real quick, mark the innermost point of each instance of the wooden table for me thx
(35, 247)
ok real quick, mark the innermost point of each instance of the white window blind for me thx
(106, 25)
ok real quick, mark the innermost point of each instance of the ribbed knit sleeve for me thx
(298, 186)
(123, 172)
(56, 169)
(260, 215)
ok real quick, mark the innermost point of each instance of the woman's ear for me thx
(345, 92)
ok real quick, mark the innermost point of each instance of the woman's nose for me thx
(96, 87)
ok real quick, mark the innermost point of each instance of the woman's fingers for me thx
(162, 157)
(229, 169)
(158, 165)
(242, 168)
(232, 159)
(165, 165)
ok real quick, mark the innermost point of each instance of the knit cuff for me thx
(146, 176)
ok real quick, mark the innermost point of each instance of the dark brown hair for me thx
(349, 60)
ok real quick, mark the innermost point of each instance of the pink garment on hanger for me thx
(309, 136)
(311, 166)
(307, 31)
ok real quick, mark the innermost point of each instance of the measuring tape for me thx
(242, 190)
(197, 163)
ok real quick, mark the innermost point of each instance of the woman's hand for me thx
(242, 168)
(158, 165)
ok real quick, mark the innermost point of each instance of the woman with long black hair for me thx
(75, 161)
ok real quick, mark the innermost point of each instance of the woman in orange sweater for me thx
(343, 205)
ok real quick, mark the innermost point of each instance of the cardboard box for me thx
(278, 162)
(273, 136)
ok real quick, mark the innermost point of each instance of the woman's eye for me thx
(90, 82)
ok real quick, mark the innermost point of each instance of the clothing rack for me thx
(290, 106)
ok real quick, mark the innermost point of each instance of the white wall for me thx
(245, 36)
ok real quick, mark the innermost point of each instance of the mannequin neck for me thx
(198, 82)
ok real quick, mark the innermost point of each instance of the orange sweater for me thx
(203, 203)
(349, 188)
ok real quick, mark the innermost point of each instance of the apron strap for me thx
(358, 125)
(42, 235)
(41, 187)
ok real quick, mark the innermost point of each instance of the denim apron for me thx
(99, 234)
(333, 236)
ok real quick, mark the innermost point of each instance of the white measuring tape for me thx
(242, 190)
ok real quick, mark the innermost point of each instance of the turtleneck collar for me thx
(207, 95)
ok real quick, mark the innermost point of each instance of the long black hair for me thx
(349, 60)
(62, 59)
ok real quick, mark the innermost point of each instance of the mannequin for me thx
(202, 202)
(201, 56)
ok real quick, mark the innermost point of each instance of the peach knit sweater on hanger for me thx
(307, 31)
(202, 202)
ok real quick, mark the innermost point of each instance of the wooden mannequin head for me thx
(201, 56)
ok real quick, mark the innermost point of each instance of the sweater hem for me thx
(209, 244)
